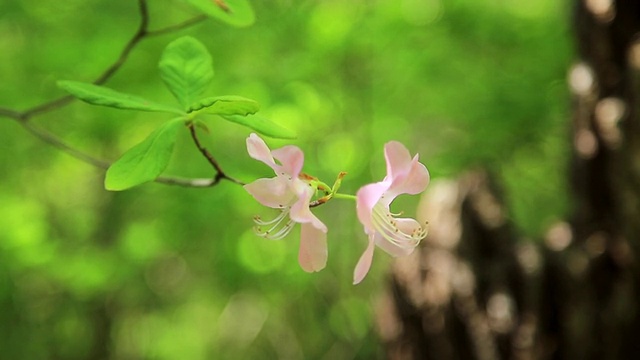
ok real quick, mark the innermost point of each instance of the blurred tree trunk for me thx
(474, 290)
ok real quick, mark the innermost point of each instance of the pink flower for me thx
(396, 236)
(291, 195)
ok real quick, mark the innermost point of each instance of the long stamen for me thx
(386, 225)
(276, 230)
(281, 233)
(258, 220)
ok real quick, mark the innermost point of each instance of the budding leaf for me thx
(103, 96)
(262, 125)
(225, 105)
(233, 12)
(186, 69)
(145, 161)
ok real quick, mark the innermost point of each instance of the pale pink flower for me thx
(396, 236)
(291, 195)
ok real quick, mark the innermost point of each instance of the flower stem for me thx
(344, 196)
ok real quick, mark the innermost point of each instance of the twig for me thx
(219, 172)
(124, 54)
(55, 141)
(10, 113)
(177, 27)
(51, 139)
(197, 183)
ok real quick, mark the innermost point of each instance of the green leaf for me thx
(262, 125)
(187, 69)
(233, 12)
(145, 161)
(103, 96)
(226, 105)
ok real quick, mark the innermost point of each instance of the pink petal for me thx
(366, 199)
(274, 192)
(300, 211)
(313, 248)
(291, 158)
(418, 178)
(258, 149)
(413, 182)
(405, 225)
(364, 264)
(398, 159)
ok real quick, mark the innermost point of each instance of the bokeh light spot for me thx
(260, 255)
(340, 153)
(421, 12)
(581, 79)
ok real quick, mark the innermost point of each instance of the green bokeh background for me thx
(162, 272)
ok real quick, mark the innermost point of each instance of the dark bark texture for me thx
(475, 290)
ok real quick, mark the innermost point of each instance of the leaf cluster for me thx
(186, 69)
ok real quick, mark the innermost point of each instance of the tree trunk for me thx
(473, 290)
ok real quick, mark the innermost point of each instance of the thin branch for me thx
(183, 25)
(220, 174)
(197, 183)
(124, 54)
(51, 139)
(43, 108)
(55, 141)
(10, 113)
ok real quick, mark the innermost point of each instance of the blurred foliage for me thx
(165, 272)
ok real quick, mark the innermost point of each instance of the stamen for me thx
(275, 231)
(386, 225)
(258, 220)
(284, 231)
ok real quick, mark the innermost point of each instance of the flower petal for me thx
(291, 158)
(401, 248)
(364, 264)
(274, 192)
(366, 199)
(398, 159)
(313, 248)
(413, 182)
(300, 211)
(258, 149)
